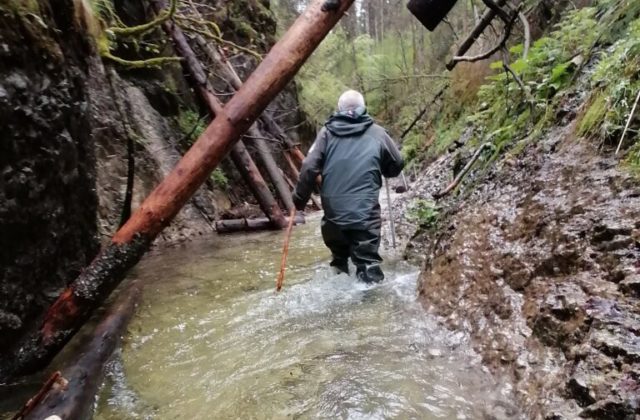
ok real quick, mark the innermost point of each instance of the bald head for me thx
(350, 100)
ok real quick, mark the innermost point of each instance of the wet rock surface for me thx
(541, 269)
(47, 167)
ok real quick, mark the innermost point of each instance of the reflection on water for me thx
(213, 340)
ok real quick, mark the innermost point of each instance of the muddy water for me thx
(212, 340)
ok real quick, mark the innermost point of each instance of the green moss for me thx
(594, 115)
(21, 7)
(219, 179)
(632, 160)
(191, 124)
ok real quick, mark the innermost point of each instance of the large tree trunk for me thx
(76, 400)
(130, 242)
(239, 154)
(270, 165)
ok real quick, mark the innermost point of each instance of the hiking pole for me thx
(285, 250)
(392, 225)
(404, 181)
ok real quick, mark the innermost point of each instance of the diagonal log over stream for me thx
(131, 241)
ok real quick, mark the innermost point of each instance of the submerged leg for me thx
(338, 243)
(364, 253)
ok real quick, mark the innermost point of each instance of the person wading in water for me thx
(352, 154)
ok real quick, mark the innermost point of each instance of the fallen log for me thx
(251, 175)
(74, 306)
(251, 225)
(76, 399)
(229, 74)
(56, 380)
(438, 195)
(487, 17)
(239, 153)
(271, 167)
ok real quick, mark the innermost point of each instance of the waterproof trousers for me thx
(361, 245)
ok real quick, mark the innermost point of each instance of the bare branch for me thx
(487, 54)
(487, 17)
(527, 34)
(626, 128)
(219, 39)
(497, 10)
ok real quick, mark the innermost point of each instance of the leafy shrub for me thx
(219, 179)
(424, 212)
(191, 124)
(615, 84)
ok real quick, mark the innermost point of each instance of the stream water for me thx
(212, 339)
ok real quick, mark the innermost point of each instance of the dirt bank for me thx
(540, 265)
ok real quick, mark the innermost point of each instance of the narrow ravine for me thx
(213, 340)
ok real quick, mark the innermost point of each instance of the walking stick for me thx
(285, 250)
(391, 222)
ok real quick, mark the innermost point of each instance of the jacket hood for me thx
(349, 123)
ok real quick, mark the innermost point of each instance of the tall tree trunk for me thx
(251, 175)
(229, 74)
(88, 291)
(270, 165)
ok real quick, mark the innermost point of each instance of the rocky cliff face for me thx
(541, 270)
(72, 125)
(47, 189)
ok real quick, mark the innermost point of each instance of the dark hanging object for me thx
(430, 12)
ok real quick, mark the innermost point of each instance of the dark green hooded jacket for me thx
(352, 154)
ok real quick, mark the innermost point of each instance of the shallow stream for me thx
(212, 339)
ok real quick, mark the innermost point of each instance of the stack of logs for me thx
(215, 62)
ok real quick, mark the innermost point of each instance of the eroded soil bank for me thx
(540, 266)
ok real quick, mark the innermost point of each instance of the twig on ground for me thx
(626, 128)
(462, 173)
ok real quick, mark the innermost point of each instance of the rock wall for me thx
(47, 184)
(69, 121)
(540, 266)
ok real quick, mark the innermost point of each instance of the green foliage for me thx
(615, 84)
(595, 114)
(546, 70)
(633, 159)
(191, 124)
(219, 179)
(380, 69)
(424, 212)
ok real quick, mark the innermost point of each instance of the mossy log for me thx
(76, 399)
(131, 241)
